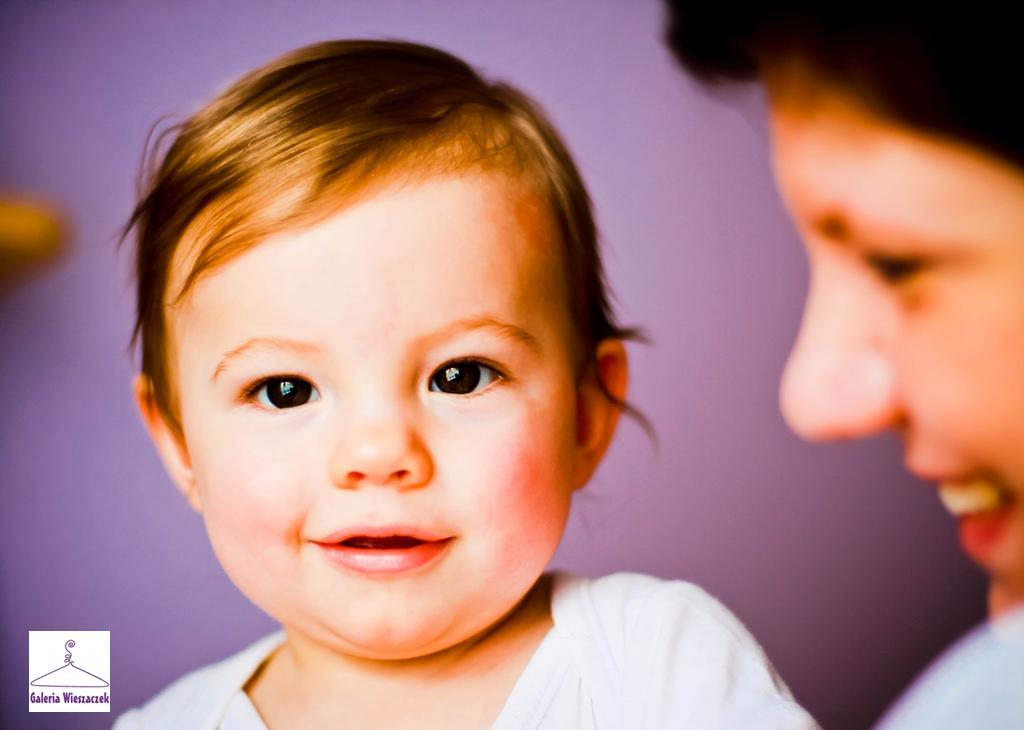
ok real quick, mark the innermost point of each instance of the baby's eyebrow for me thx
(274, 343)
(502, 329)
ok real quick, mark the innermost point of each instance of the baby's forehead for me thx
(492, 199)
(406, 262)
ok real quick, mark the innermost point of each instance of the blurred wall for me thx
(841, 565)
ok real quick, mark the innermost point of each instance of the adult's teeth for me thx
(970, 497)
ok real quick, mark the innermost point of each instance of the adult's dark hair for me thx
(953, 71)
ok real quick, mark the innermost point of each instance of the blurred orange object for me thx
(31, 233)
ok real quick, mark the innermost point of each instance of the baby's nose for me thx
(384, 453)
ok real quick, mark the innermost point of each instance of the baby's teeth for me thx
(970, 497)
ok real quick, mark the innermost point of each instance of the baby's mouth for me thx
(391, 542)
(385, 554)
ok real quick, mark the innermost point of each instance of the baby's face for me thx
(380, 415)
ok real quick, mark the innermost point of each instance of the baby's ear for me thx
(597, 414)
(169, 445)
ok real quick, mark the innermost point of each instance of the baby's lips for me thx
(393, 542)
(375, 533)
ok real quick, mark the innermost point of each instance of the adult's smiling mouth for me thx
(973, 496)
(984, 510)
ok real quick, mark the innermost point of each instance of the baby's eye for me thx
(462, 377)
(285, 391)
(894, 269)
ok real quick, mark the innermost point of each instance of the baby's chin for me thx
(409, 636)
(408, 649)
(394, 640)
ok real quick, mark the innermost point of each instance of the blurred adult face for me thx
(914, 320)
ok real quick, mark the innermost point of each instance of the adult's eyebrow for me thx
(834, 225)
(259, 343)
(845, 229)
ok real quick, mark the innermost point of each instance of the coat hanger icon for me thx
(69, 674)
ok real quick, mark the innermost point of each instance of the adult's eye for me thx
(285, 392)
(894, 269)
(462, 377)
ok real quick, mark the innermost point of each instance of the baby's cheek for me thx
(253, 518)
(529, 502)
(250, 485)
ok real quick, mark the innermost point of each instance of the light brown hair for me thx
(294, 137)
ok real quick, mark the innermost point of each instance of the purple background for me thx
(843, 567)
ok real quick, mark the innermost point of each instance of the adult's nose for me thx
(383, 449)
(840, 380)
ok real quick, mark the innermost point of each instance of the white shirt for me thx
(625, 651)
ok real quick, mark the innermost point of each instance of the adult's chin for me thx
(1003, 558)
(1003, 597)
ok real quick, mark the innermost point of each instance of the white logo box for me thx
(69, 671)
